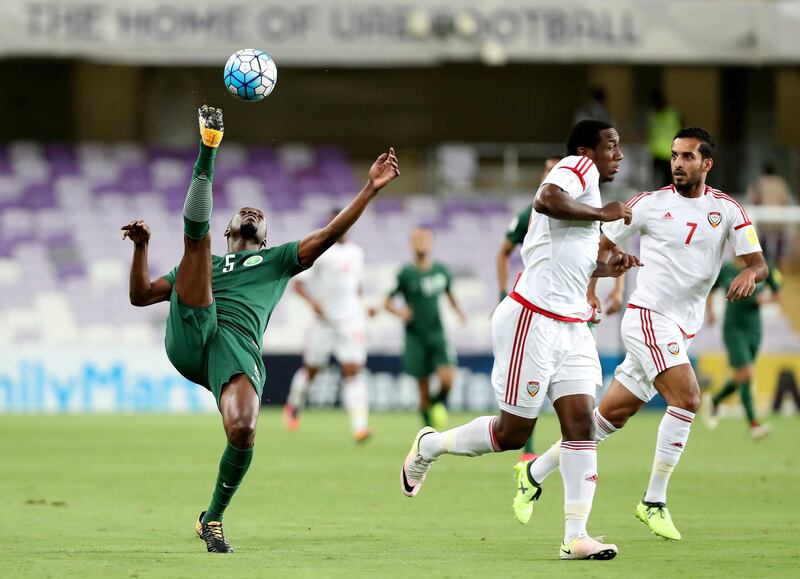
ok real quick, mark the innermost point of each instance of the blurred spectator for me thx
(594, 107)
(663, 121)
(772, 190)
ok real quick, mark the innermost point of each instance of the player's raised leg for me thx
(678, 385)
(193, 280)
(239, 405)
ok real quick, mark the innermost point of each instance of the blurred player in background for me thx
(684, 229)
(427, 350)
(332, 287)
(741, 332)
(220, 306)
(542, 345)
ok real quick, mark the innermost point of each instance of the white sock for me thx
(673, 432)
(548, 462)
(472, 439)
(579, 473)
(355, 397)
(545, 463)
(298, 389)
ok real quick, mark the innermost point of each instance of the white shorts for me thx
(345, 340)
(537, 356)
(653, 343)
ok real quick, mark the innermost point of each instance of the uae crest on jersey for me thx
(533, 388)
(714, 218)
(673, 348)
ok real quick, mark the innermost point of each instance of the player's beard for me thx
(688, 184)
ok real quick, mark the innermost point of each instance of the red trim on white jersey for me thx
(580, 177)
(637, 198)
(720, 195)
(635, 307)
(745, 224)
(534, 308)
(580, 169)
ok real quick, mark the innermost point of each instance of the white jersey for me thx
(682, 247)
(560, 256)
(334, 281)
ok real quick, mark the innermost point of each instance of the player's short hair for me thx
(586, 133)
(706, 142)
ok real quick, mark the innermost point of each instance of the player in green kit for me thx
(220, 305)
(427, 350)
(741, 332)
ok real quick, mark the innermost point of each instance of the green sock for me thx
(747, 401)
(426, 416)
(529, 445)
(199, 201)
(232, 468)
(730, 388)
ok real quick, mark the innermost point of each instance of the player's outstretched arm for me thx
(383, 171)
(143, 292)
(744, 284)
(553, 201)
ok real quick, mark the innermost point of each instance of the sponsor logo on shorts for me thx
(714, 218)
(533, 388)
(673, 348)
(253, 260)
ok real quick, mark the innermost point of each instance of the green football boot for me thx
(656, 516)
(527, 492)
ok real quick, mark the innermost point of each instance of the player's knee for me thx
(511, 438)
(743, 374)
(578, 431)
(689, 400)
(618, 417)
(241, 432)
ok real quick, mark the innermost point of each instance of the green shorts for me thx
(207, 353)
(423, 355)
(742, 345)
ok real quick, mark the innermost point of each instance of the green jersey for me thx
(421, 291)
(248, 285)
(745, 311)
(518, 227)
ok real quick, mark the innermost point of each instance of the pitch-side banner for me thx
(387, 32)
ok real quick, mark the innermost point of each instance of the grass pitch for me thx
(118, 495)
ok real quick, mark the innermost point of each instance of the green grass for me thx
(117, 496)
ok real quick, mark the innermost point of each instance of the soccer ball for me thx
(250, 74)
